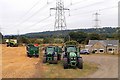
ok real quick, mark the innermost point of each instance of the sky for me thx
(26, 16)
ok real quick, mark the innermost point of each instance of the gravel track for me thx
(108, 65)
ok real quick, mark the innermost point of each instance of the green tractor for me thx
(12, 43)
(52, 54)
(71, 56)
(32, 50)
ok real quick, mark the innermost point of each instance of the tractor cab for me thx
(52, 54)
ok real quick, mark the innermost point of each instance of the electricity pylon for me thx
(96, 20)
(60, 20)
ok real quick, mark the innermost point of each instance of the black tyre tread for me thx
(80, 63)
(65, 64)
(36, 56)
(59, 57)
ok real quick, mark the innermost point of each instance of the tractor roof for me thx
(51, 46)
(70, 45)
(75, 43)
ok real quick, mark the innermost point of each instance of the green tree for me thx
(78, 36)
(48, 40)
(94, 36)
(23, 40)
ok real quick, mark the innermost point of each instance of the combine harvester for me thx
(71, 55)
(52, 54)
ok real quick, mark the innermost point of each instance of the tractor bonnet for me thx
(72, 54)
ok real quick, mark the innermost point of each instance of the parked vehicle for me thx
(71, 56)
(84, 51)
(32, 50)
(12, 43)
(52, 54)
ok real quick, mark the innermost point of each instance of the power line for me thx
(33, 14)
(79, 2)
(88, 12)
(72, 4)
(88, 5)
(43, 26)
(102, 9)
(71, 15)
(38, 22)
(31, 8)
(108, 8)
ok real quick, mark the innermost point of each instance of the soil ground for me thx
(15, 64)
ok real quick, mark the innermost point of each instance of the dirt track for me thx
(17, 65)
(108, 66)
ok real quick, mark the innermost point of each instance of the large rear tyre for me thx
(59, 57)
(30, 56)
(80, 63)
(65, 63)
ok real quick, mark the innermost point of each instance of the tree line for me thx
(82, 36)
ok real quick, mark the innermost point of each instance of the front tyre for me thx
(65, 63)
(80, 63)
(36, 56)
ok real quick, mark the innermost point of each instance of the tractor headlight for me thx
(73, 58)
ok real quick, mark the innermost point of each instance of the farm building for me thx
(103, 46)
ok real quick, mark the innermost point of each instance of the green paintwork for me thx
(51, 49)
(72, 54)
(52, 52)
(32, 50)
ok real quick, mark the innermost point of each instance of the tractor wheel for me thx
(36, 56)
(28, 54)
(44, 60)
(55, 60)
(59, 57)
(80, 63)
(65, 63)
(7, 45)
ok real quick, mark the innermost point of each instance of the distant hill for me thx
(106, 30)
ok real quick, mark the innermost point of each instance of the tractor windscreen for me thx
(71, 49)
(50, 49)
